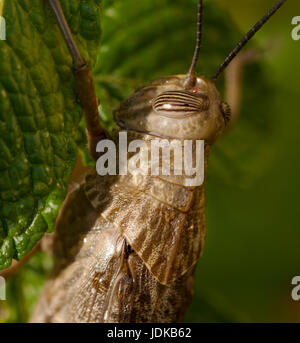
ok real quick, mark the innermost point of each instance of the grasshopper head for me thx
(166, 108)
(184, 106)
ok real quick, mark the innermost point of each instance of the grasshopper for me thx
(127, 246)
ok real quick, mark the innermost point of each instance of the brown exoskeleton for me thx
(126, 246)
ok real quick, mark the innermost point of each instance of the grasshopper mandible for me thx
(127, 246)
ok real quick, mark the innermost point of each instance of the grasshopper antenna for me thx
(84, 81)
(190, 78)
(246, 39)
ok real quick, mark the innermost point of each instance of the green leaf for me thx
(39, 117)
(155, 38)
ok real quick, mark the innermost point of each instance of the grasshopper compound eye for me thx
(180, 103)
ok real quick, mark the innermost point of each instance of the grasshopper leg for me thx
(84, 81)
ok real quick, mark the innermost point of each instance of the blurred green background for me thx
(252, 248)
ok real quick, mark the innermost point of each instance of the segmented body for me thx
(96, 277)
